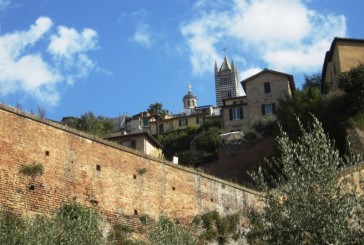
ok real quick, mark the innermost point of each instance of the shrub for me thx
(32, 170)
(166, 232)
(249, 136)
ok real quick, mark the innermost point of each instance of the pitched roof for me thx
(225, 64)
(146, 135)
(266, 70)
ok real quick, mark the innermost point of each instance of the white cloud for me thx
(24, 68)
(249, 72)
(142, 35)
(69, 48)
(68, 42)
(281, 34)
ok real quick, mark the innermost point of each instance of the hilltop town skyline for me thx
(70, 58)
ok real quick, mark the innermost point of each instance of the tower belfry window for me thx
(224, 81)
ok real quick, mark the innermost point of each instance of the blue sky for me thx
(118, 56)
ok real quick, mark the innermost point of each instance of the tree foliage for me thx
(352, 83)
(72, 224)
(206, 138)
(157, 112)
(312, 81)
(166, 232)
(312, 203)
(302, 104)
(89, 123)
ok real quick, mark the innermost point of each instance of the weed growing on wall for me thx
(32, 170)
(218, 228)
(141, 171)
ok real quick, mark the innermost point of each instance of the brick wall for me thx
(120, 182)
(236, 161)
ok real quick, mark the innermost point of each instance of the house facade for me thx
(344, 54)
(142, 141)
(263, 91)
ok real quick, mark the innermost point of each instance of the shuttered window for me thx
(268, 109)
(236, 113)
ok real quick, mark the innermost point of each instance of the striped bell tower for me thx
(226, 81)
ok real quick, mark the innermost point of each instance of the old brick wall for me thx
(118, 181)
(236, 161)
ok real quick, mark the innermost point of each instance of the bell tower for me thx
(226, 81)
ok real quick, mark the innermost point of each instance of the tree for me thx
(352, 83)
(302, 104)
(312, 203)
(208, 140)
(91, 124)
(157, 112)
(312, 81)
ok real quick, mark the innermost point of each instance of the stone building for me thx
(191, 115)
(263, 90)
(143, 141)
(344, 54)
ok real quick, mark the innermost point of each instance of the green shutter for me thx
(273, 108)
(263, 110)
(241, 113)
(231, 114)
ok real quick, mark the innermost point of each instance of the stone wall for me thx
(120, 182)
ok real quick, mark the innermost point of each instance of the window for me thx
(199, 120)
(161, 128)
(183, 122)
(170, 126)
(226, 94)
(268, 109)
(145, 122)
(224, 80)
(229, 94)
(267, 87)
(133, 144)
(236, 113)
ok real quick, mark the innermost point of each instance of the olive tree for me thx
(313, 200)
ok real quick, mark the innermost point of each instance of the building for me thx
(141, 141)
(226, 81)
(263, 91)
(344, 54)
(191, 115)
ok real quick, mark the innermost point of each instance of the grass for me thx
(357, 121)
